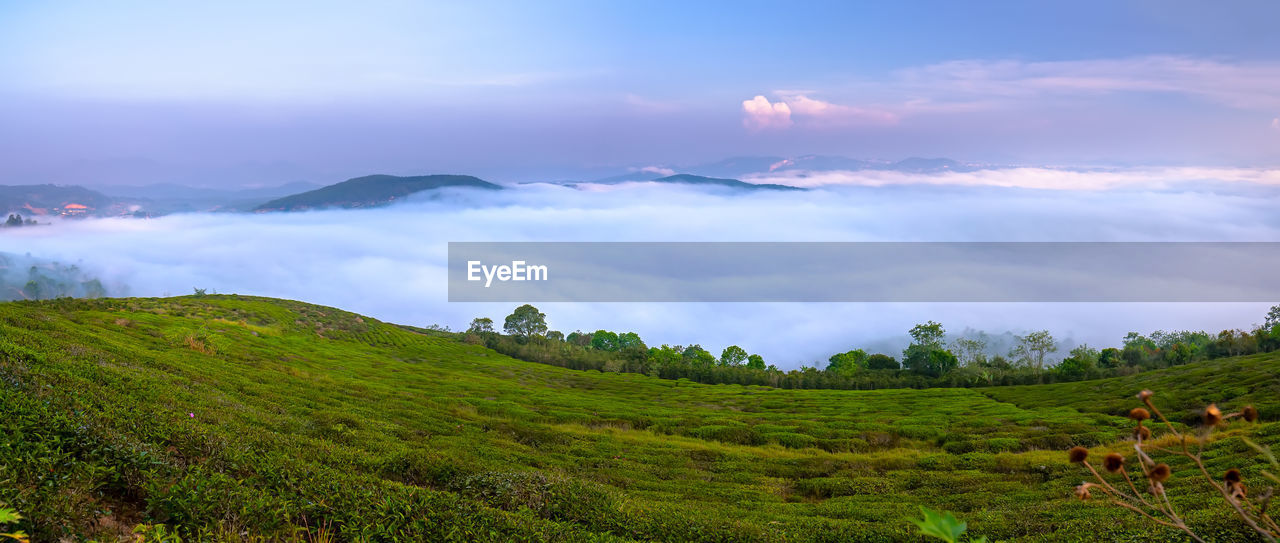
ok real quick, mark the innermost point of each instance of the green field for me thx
(234, 418)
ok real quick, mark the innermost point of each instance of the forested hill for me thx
(372, 191)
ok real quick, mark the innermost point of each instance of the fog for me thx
(389, 263)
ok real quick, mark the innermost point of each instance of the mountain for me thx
(744, 166)
(690, 179)
(291, 421)
(371, 191)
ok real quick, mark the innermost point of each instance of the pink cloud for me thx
(762, 115)
(835, 114)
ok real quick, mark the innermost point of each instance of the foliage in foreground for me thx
(1152, 502)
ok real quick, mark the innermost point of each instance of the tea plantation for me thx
(237, 418)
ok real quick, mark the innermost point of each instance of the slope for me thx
(229, 415)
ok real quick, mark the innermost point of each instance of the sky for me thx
(252, 93)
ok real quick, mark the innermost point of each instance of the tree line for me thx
(928, 361)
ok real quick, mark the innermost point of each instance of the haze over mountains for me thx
(377, 190)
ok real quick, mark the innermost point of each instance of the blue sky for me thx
(233, 92)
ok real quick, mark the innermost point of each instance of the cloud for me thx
(1275, 123)
(827, 113)
(762, 115)
(795, 107)
(658, 170)
(1036, 178)
(389, 263)
(1244, 85)
(970, 86)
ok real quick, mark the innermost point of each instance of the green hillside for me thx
(370, 191)
(235, 417)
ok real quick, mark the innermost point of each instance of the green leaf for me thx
(942, 525)
(9, 515)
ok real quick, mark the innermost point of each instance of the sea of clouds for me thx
(389, 263)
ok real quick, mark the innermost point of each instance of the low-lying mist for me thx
(389, 263)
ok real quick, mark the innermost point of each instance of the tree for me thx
(925, 355)
(604, 340)
(579, 338)
(847, 363)
(1081, 362)
(526, 322)
(969, 350)
(481, 325)
(630, 340)
(1273, 317)
(733, 355)
(699, 357)
(1110, 357)
(755, 362)
(555, 335)
(1034, 347)
(14, 220)
(881, 362)
(929, 334)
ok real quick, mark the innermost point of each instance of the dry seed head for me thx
(1232, 476)
(1082, 490)
(1078, 454)
(1249, 413)
(1212, 415)
(1160, 473)
(1139, 414)
(1142, 432)
(1145, 395)
(1113, 462)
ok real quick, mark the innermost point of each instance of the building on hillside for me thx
(76, 210)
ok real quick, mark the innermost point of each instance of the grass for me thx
(231, 417)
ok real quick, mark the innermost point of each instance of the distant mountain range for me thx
(33, 201)
(748, 166)
(371, 191)
(690, 179)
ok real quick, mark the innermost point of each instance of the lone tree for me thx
(526, 322)
(1273, 317)
(481, 325)
(755, 362)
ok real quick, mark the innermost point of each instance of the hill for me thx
(371, 191)
(45, 200)
(230, 415)
(690, 179)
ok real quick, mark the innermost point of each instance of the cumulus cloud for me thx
(760, 114)
(390, 263)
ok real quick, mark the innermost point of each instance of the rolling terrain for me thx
(236, 417)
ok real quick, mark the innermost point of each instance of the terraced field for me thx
(236, 418)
